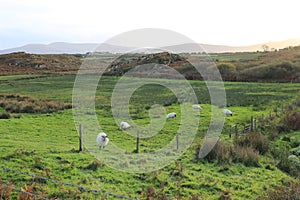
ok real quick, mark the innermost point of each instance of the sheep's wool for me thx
(102, 139)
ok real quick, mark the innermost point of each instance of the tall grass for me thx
(291, 121)
(14, 103)
(226, 153)
(256, 141)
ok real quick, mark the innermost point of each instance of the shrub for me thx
(26, 104)
(150, 193)
(227, 71)
(272, 135)
(289, 190)
(226, 194)
(296, 151)
(297, 102)
(222, 152)
(5, 190)
(284, 72)
(294, 160)
(11, 106)
(29, 109)
(291, 121)
(246, 155)
(5, 115)
(287, 163)
(226, 153)
(256, 140)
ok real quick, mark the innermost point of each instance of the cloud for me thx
(217, 22)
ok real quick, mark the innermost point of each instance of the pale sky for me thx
(222, 22)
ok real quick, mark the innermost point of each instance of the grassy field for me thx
(46, 144)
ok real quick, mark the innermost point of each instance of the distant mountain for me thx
(74, 48)
(189, 48)
(67, 48)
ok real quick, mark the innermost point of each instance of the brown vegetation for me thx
(255, 140)
(278, 66)
(227, 153)
(14, 103)
(289, 190)
(18, 63)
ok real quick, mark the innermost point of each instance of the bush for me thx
(227, 71)
(5, 115)
(291, 121)
(226, 153)
(222, 152)
(246, 155)
(287, 163)
(5, 189)
(29, 109)
(283, 72)
(11, 106)
(296, 151)
(26, 104)
(150, 193)
(256, 140)
(289, 190)
(272, 135)
(294, 160)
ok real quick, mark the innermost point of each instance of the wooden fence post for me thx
(236, 135)
(177, 141)
(251, 123)
(137, 141)
(262, 122)
(254, 123)
(80, 137)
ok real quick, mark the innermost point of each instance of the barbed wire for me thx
(4, 185)
(79, 187)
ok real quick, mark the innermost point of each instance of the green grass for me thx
(41, 142)
(242, 57)
(18, 76)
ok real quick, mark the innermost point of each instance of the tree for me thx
(265, 47)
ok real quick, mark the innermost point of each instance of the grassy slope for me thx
(41, 142)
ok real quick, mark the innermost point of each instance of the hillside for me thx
(271, 66)
(16, 63)
(276, 66)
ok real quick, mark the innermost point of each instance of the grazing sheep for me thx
(124, 125)
(196, 107)
(171, 115)
(102, 140)
(227, 112)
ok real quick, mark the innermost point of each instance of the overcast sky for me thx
(224, 22)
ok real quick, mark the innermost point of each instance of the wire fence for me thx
(258, 123)
(79, 187)
(35, 196)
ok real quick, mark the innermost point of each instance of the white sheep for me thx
(196, 107)
(124, 125)
(227, 112)
(102, 140)
(171, 115)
